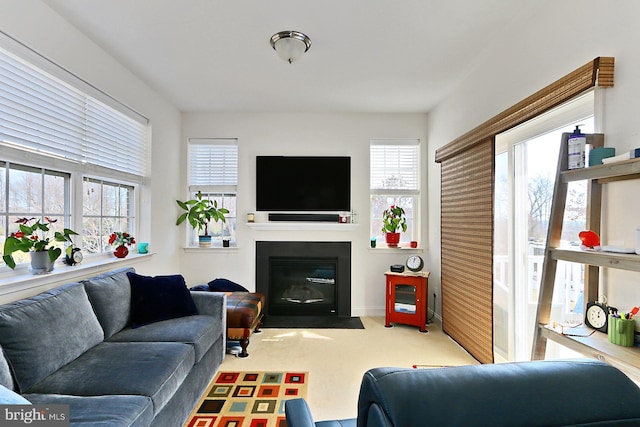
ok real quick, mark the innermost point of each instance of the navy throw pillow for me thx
(225, 285)
(159, 298)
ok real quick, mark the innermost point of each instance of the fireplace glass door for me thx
(302, 286)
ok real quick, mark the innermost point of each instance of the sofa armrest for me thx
(212, 304)
(298, 413)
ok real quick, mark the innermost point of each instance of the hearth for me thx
(304, 278)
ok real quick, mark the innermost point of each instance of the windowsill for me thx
(21, 278)
(215, 247)
(386, 249)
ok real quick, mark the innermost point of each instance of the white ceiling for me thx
(366, 55)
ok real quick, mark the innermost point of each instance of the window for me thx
(395, 180)
(56, 131)
(43, 193)
(107, 207)
(213, 170)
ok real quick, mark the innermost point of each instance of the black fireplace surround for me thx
(304, 278)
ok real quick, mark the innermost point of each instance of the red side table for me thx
(407, 299)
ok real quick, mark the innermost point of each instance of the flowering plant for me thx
(35, 237)
(121, 238)
(393, 219)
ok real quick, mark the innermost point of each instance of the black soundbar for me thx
(303, 217)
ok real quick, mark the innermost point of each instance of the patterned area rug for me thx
(248, 399)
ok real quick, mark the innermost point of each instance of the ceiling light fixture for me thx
(290, 45)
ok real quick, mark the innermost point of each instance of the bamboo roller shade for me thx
(598, 72)
(467, 209)
(467, 265)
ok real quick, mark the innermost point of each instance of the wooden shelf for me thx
(629, 262)
(597, 346)
(627, 169)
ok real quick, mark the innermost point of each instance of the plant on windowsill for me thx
(119, 239)
(36, 239)
(393, 220)
(199, 212)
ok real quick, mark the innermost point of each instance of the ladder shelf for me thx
(596, 344)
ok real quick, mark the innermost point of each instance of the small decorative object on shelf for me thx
(72, 255)
(36, 239)
(393, 222)
(590, 240)
(119, 239)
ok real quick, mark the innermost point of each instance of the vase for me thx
(40, 262)
(121, 251)
(392, 239)
(204, 241)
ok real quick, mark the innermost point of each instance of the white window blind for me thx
(41, 113)
(394, 166)
(213, 164)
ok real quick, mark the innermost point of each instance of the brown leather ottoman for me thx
(244, 317)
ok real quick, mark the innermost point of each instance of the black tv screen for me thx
(303, 183)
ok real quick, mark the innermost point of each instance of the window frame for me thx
(413, 193)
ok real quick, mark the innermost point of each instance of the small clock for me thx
(415, 263)
(73, 256)
(596, 316)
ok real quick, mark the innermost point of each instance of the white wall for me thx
(302, 134)
(37, 26)
(561, 37)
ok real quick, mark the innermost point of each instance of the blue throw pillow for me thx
(159, 298)
(225, 285)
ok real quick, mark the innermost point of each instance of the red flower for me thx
(112, 238)
(18, 234)
(34, 237)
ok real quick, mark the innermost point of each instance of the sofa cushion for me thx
(6, 379)
(10, 397)
(199, 331)
(42, 333)
(110, 295)
(147, 369)
(159, 298)
(225, 285)
(105, 411)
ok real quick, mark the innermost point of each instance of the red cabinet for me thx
(407, 299)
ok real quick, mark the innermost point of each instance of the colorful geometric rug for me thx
(248, 399)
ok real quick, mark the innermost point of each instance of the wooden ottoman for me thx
(244, 317)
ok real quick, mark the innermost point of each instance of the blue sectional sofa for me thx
(75, 345)
(576, 393)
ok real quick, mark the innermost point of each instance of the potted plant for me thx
(36, 239)
(119, 239)
(393, 220)
(199, 212)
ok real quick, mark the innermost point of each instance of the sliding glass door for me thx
(526, 161)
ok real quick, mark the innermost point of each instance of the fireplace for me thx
(304, 278)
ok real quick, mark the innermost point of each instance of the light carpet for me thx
(248, 398)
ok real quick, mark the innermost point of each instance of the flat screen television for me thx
(303, 183)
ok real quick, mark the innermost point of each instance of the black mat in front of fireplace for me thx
(312, 322)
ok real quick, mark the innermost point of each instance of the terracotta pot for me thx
(392, 239)
(121, 251)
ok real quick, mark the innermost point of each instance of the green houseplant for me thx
(36, 238)
(199, 212)
(393, 222)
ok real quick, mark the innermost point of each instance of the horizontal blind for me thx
(394, 165)
(41, 113)
(213, 164)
